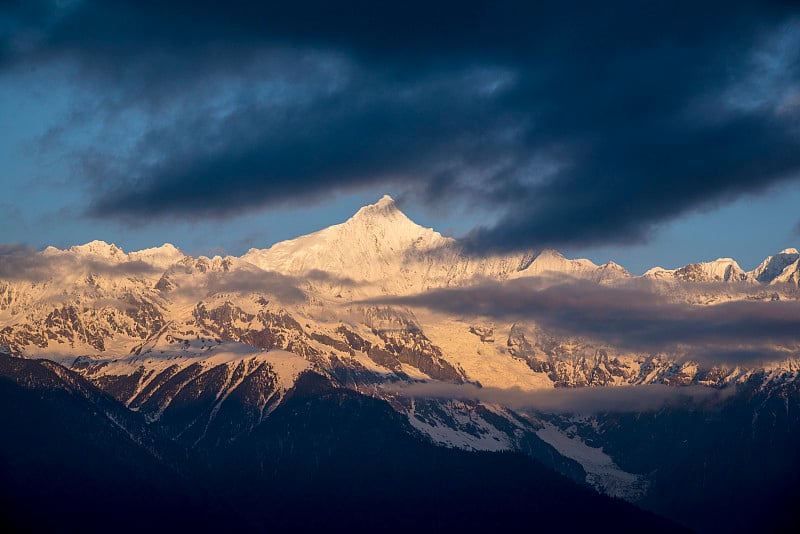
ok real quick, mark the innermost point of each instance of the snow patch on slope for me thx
(462, 430)
(601, 471)
(287, 365)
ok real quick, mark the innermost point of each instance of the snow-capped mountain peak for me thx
(385, 220)
(371, 245)
(99, 249)
(385, 206)
(380, 245)
(719, 270)
(161, 257)
(773, 268)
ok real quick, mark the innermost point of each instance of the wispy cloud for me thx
(19, 262)
(240, 281)
(243, 280)
(565, 400)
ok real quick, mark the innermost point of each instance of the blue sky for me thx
(608, 134)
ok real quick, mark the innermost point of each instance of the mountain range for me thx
(373, 370)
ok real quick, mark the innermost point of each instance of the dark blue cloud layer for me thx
(579, 124)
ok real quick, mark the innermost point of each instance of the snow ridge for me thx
(380, 246)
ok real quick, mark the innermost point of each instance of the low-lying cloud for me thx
(632, 318)
(18, 262)
(584, 400)
(284, 288)
(22, 263)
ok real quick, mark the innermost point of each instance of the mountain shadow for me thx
(74, 459)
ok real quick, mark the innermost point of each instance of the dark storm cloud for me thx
(579, 124)
(300, 150)
(632, 318)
